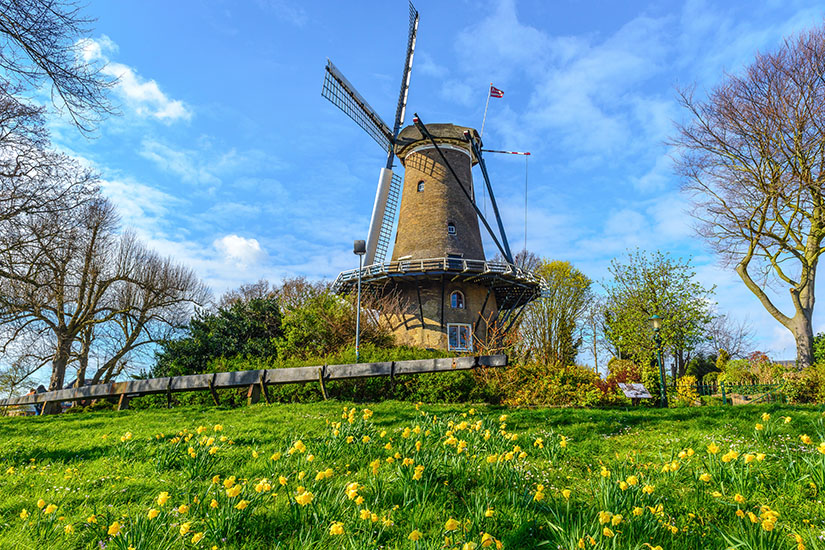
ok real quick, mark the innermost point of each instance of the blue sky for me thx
(226, 157)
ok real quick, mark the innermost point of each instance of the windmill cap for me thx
(411, 136)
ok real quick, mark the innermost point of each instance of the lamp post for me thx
(656, 323)
(359, 248)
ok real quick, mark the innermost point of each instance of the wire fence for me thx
(742, 394)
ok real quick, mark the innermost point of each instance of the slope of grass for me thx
(637, 479)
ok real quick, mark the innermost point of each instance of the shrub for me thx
(686, 393)
(806, 386)
(651, 379)
(567, 386)
(622, 371)
(756, 369)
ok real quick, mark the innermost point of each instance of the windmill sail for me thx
(342, 94)
(388, 194)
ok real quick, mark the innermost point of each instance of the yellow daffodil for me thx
(197, 537)
(451, 525)
(183, 508)
(153, 513)
(114, 529)
(184, 528)
(50, 509)
(303, 498)
(162, 498)
(24, 514)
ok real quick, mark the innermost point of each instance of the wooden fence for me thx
(256, 380)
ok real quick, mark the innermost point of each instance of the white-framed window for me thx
(420, 186)
(451, 228)
(459, 337)
(457, 299)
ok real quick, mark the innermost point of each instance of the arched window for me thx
(451, 228)
(420, 186)
(457, 300)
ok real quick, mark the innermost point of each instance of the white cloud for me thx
(239, 250)
(180, 162)
(144, 96)
(426, 65)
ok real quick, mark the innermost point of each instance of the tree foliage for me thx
(548, 330)
(243, 328)
(296, 320)
(753, 159)
(644, 285)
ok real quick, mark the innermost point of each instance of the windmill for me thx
(457, 297)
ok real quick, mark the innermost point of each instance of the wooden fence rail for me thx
(255, 380)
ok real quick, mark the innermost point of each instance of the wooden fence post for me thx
(321, 380)
(262, 383)
(253, 394)
(212, 390)
(123, 402)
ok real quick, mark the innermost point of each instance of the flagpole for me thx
(481, 134)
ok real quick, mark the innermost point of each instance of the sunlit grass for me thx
(397, 475)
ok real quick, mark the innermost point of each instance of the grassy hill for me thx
(304, 476)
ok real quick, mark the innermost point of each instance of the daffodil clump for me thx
(436, 479)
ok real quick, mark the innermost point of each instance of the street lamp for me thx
(359, 248)
(656, 323)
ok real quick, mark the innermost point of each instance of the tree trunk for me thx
(803, 333)
(61, 359)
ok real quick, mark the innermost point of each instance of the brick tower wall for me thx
(424, 215)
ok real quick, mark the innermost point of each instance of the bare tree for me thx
(260, 290)
(151, 307)
(733, 336)
(41, 41)
(592, 328)
(752, 157)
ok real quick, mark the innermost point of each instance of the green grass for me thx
(80, 464)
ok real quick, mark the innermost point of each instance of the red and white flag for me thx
(495, 92)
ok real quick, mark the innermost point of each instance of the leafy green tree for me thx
(700, 365)
(548, 330)
(645, 284)
(245, 328)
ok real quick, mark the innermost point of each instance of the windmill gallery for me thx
(450, 295)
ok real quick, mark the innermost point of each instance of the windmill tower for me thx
(438, 268)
